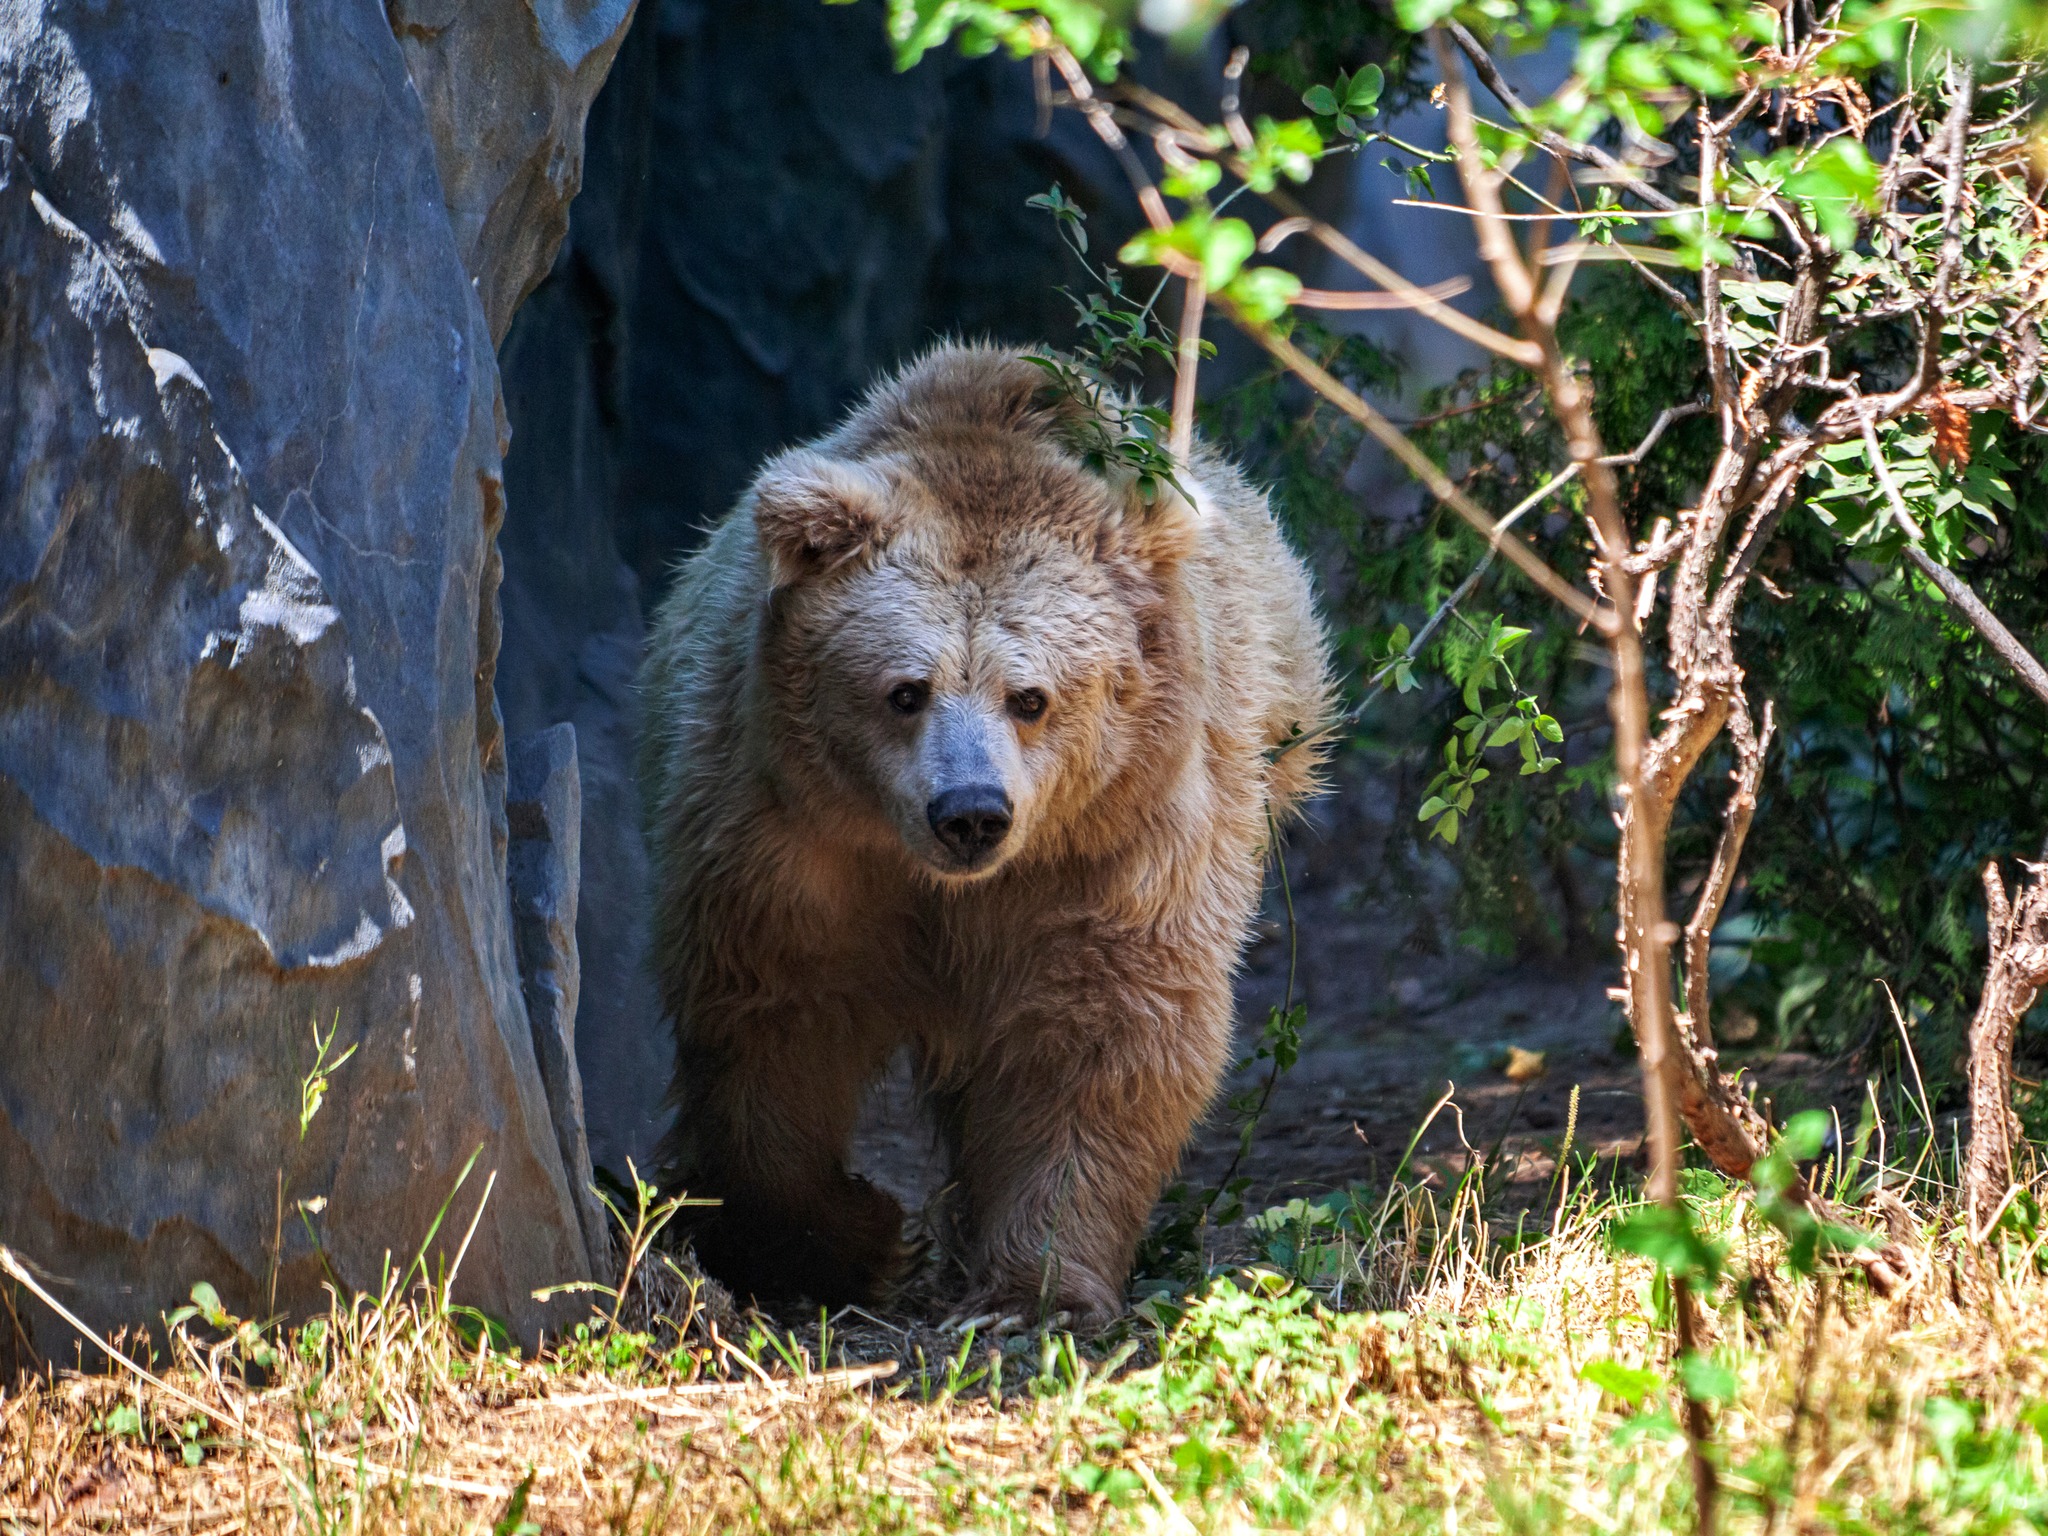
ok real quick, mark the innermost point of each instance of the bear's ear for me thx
(1164, 528)
(813, 514)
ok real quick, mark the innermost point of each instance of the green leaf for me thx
(1666, 1236)
(1434, 806)
(1364, 92)
(1839, 182)
(207, 1300)
(1219, 245)
(1631, 1384)
(1321, 100)
(1262, 294)
(1195, 181)
(1948, 1421)
(1705, 1379)
(1511, 729)
(1421, 15)
(1225, 246)
(1805, 1134)
(513, 1521)
(1657, 1424)
(1281, 149)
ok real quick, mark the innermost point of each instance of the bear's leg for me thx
(766, 1121)
(1068, 1126)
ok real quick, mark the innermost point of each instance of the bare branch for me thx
(1103, 121)
(2017, 971)
(1345, 299)
(1419, 464)
(1556, 143)
(1298, 218)
(1713, 313)
(1453, 320)
(1665, 417)
(1751, 746)
(1187, 363)
(1953, 587)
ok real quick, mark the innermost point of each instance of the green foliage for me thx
(251, 1344)
(1091, 32)
(314, 1085)
(1776, 1179)
(1353, 97)
(1302, 43)
(1110, 429)
(1669, 1236)
(1513, 719)
(1630, 1384)
(1905, 754)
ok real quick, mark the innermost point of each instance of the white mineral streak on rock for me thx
(366, 938)
(167, 365)
(289, 598)
(274, 26)
(394, 852)
(129, 226)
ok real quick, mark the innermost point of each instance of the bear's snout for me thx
(971, 820)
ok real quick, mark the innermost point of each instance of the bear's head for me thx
(972, 638)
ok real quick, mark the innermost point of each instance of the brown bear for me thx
(958, 743)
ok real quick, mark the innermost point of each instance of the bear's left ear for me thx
(1163, 529)
(814, 513)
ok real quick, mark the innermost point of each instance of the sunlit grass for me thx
(1511, 1387)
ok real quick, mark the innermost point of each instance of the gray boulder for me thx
(543, 863)
(252, 773)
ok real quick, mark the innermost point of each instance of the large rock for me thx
(543, 865)
(507, 85)
(251, 766)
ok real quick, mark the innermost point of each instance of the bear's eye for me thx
(1028, 704)
(909, 698)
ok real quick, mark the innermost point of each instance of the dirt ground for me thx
(1391, 1025)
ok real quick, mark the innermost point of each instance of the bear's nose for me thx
(970, 819)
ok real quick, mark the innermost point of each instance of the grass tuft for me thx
(1394, 1363)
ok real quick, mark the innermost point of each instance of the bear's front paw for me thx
(1082, 1303)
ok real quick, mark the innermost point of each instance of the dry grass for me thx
(1482, 1404)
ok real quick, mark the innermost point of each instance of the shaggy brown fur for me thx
(937, 595)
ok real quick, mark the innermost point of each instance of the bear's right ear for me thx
(813, 513)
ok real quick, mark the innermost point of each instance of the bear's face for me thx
(960, 655)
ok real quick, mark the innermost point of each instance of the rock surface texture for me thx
(544, 813)
(253, 259)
